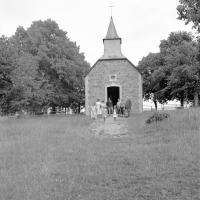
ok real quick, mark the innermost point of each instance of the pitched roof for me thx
(114, 59)
(112, 33)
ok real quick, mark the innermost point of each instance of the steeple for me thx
(112, 33)
(112, 43)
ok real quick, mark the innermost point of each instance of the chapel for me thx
(113, 76)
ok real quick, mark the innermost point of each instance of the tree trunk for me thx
(155, 101)
(79, 108)
(196, 99)
(53, 110)
(156, 104)
(182, 102)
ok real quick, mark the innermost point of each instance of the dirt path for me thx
(110, 127)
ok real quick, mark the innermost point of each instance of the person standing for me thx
(128, 105)
(108, 103)
(110, 106)
(118, 107)
(122, 108)
(93, 112)
(104, 110)
(115, 113)
(98, 108)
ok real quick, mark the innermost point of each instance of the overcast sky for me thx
(140, 23)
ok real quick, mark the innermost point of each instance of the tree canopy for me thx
(173, 73)
(189, 11)
(43, 66)
(148, 67)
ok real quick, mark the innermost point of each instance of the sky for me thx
(141, 24)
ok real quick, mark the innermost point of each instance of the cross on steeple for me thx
(111, 6)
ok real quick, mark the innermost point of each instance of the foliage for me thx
(189, 11)
(157, 117)
(173, 73)
(180, 55)
(154, 77)
(49, 69)
(7, 61)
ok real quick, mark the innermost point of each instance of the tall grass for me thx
(58, 158)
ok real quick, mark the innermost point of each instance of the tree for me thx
(27, 79)
(153, 77)
(174, 72)
(184, 83)
(60, 61)
(180, 55)
(7, 62)
(189, 11)
(52, 67)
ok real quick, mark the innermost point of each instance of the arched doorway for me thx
(113, 92)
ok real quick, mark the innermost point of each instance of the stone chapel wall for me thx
(128, 78)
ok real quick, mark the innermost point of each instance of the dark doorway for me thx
(113, 94)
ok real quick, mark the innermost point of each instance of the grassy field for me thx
(58, 158)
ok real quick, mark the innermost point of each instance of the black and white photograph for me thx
(99, 100)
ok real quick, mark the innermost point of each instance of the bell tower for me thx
(112, 43)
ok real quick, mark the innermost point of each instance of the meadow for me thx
(58, 158)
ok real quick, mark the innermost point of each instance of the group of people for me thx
(100, 109)
(120, 107)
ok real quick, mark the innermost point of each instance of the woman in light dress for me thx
(93, 111)
(98, 108)
(115, 113)
(104, 110)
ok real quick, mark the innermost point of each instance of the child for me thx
(115, 113)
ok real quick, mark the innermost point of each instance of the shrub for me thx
(157, 117)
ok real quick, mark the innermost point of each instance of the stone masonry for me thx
(128, 79)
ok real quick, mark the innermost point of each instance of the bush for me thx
(157, 117)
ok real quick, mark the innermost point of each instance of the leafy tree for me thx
(184, 83)
(53, 68)
(180, 55)
(61, 62)
(153, 77)
(173, 73)
(7, 61)
(26, 78)
(189, 11)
